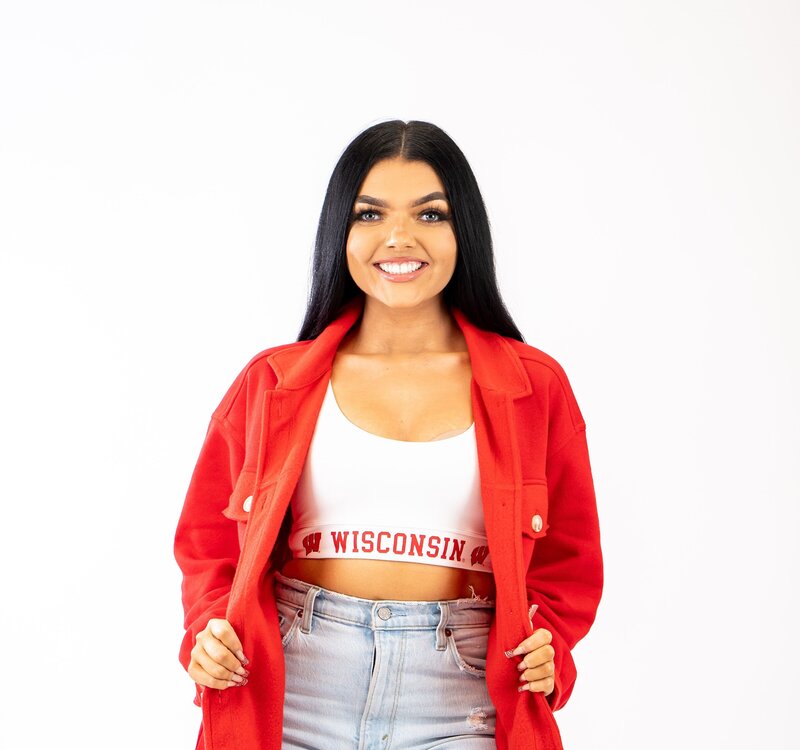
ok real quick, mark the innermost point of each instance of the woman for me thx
(357, 541)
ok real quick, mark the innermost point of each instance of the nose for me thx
(398, 234)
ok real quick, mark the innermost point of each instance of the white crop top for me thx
(361, 495)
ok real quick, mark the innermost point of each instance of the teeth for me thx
(399, 267)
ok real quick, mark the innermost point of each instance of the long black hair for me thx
(473, 286)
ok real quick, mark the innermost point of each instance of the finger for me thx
(222, 630)
(216, 670)
(545, 686)
(201, 677)
(539, 637)
(220, 653)
(543, 671)
(538, 656)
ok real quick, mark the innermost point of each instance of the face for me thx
(402, 217)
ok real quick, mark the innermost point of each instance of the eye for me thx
(442, 216)
(358, 215)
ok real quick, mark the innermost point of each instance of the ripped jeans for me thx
(367, 674)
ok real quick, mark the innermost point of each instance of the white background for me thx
(162, 168)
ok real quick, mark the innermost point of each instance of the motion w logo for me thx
(479, 554)
(311, 542)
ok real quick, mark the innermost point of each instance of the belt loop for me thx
(441, 636)
(308, 608)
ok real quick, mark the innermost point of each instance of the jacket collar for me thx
(495, 363)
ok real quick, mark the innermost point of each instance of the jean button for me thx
(384, 613)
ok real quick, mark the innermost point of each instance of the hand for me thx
(217, 658)
(537, 666)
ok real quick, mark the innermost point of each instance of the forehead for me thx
(400, 181)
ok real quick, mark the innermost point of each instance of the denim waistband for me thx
(384, 614)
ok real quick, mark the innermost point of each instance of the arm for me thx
(206, 545)
(565, 578)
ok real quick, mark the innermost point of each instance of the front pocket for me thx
(289, 618)
(468, 644)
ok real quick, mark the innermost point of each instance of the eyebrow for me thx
(378, 202)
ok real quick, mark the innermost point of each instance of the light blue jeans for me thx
(367, 674)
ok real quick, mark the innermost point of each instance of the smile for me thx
(400, 271)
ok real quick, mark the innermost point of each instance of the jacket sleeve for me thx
(565, 578)
(206, 545)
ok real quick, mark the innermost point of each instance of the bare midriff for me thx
(390, 579)
(402, 398)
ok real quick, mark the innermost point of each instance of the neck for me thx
(427, 327)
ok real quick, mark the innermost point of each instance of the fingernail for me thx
(242, 658)
(522, 687)
(521, 677)
(242, 671)
(522, 666)
(237, 678)
(509, 653)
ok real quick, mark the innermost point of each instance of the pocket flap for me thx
(534, 509)
(241, 498)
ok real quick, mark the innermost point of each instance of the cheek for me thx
(358, 248)
(446, 251)
(357, 257)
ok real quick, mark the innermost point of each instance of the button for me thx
(384, 613)
(248, 501)
(536, 523)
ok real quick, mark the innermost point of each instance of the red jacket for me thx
(539, 509)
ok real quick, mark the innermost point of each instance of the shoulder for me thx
(537, 362)
(548, 376)
(253, 379)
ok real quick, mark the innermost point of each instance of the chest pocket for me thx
(241, 501)
(534, 510)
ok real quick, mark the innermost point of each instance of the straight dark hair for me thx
(473, 286)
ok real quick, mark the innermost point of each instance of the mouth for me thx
(405, 271)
